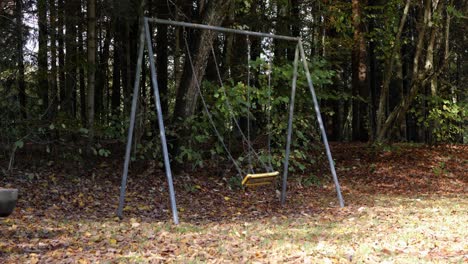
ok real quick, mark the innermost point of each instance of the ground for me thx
(404, 204)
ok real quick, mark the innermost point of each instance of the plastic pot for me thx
(8, 198)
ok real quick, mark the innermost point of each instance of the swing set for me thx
(251, 178)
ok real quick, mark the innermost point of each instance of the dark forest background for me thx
(385, 71)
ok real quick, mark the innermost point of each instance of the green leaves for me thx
(443, 117)
(83, 130)
(454, 12)
(104, 152)
(19, 144)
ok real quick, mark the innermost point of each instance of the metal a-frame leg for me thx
(290, 125)
(322, 127)
(145, 34)
(128, 150)
(162, 130)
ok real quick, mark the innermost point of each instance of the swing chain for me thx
(249, 156)
(231, 112)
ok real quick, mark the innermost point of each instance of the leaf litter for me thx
(404, 205)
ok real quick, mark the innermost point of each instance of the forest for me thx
(388, 111)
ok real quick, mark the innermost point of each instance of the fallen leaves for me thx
(398, 212)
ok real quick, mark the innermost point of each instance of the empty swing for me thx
(251, 178)
(258, 179)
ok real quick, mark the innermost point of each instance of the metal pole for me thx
(162, 130)
(221, 29)
(136, 87)
(290, 125)
(322, 127)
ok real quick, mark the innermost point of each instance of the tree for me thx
(384, 70)
(420, 76)
(116, 80)
(162, 53)
(20, 57)
(72, 11)
(388, 70)
(91, 65)
(360, 81)
(61, 52)
(81, 67)
(53, 57)
(42, 83)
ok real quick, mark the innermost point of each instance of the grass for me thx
(394, 230)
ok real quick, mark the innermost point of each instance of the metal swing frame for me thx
(145, 35)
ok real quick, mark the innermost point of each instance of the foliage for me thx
(444, 117)
(231, 102)
(383, 34)
(326, 29)
(115, 128)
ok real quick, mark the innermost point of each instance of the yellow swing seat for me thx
(258, 179)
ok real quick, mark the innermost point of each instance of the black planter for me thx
(8, 198)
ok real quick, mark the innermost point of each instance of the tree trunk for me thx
(126, 65)
(419, 79)
(102, 84)
(360, 82)
(429, 66)
(388, 71)
(42, 83)
(281, 28)
(256, 43)
(372, 90)
(187, 94)
(162, 54)
(91, 66)
(447, 53)
(61, 54)
(228, 45)
(296, 24)
(81, 71)
(72, 7)
(116, 82)
(400, 91)
(53, 58)
(20, 58)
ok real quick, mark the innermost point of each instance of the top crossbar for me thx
(221, 29)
